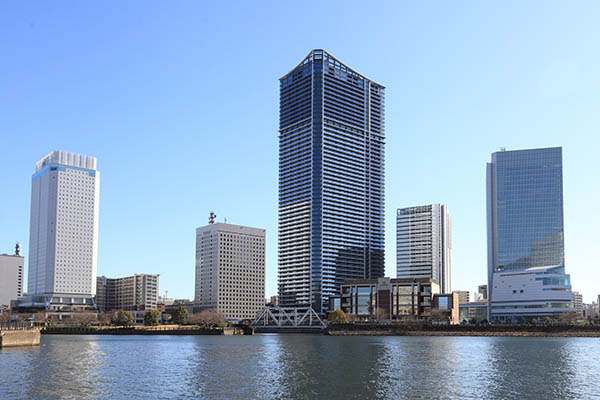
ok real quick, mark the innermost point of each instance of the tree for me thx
(151, 318)
(123, 318)
(105, 319)
(84, 319)
(4, 316)
(40, 316)
(179, 315)
(569, 317)
(338, 317)
(438, 316)
(207, 318)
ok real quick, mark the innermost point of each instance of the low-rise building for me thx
(385, 299)
(138, 292)
(523, 294)
(473, 313)
(11, 276)
(445, 308)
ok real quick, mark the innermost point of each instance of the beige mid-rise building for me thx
(138, 292)
(230, 270)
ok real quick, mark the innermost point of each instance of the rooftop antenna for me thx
(211, 217)
(18, 249)
(225, 220)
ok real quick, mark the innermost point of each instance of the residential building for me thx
(331, 180)
(138, 292)
(578, 303)
(526, 262)
(386, 299)
(464, 296)
(230, 270)
(424, 244)
(63, 233)
(11, 276)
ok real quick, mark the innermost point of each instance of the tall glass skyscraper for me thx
(331, 180)
(526, 252)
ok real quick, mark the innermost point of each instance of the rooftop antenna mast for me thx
(211, 218)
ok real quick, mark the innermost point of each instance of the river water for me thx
(301, 367)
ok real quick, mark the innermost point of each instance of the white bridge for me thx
(280, 317)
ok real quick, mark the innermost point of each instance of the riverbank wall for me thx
(463, 330)
(156, 330)
(59, 330)
(19, 338)
(289, 329)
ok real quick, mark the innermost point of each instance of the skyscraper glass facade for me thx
(525, 232)
(331, 180)
(529, 204)
(424, 245)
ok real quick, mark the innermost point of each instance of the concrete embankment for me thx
(289, 329)
(17, 338)
(62, 330)
(462, 330)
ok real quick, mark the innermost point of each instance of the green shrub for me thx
(338, 317)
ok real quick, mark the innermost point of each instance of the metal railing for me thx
(20, 326)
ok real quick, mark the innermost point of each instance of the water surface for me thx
(301, 367)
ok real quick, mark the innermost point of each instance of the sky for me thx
(179, 102)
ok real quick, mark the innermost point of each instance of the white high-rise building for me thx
(424, 244)
(230, 270)
(63, 237)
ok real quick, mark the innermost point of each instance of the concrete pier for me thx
(17, 338)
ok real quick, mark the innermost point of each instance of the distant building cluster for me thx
(331, 228)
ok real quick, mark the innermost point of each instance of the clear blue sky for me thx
(179, 103)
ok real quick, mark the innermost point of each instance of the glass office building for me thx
(526, 252)
(424, 244)
(331, 180)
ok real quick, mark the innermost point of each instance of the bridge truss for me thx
(281, 317)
